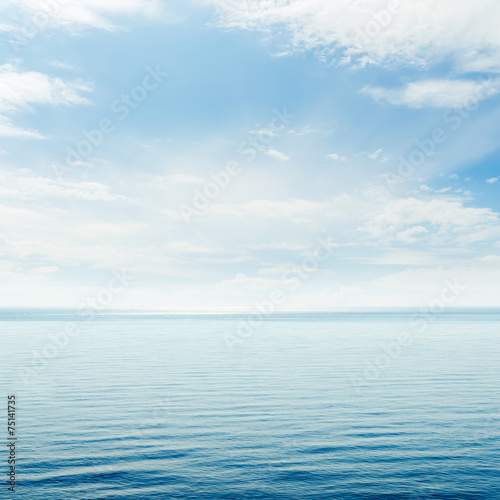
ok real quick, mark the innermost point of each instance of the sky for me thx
(219, 154)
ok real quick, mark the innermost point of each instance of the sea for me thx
(348, 405)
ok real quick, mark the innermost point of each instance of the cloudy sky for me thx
(211, 150)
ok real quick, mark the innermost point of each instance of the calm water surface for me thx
(139, 406)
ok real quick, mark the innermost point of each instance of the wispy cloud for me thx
(277, 155)
(434, 93)
(80, 14)
(120, 204)
(367, 31)
(336, 157)
(26, 186)
(20, 91)
(8, 129)
(448, 219)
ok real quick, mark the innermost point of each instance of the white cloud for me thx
(19, 91)
(409, 235)
(277, 155)
(294, 210)
(23, 185)
(477, 62)
(8, 129)
(336, 157)
(435, 93)
(420, 32)
(79, 14)
(447, 218)
(492, 180)
(61, 65)
(375, 155)
(266, 132)
(268, 208)
(477, 279)
(303, 131)
(403, 257)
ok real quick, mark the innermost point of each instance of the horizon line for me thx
(242, 310)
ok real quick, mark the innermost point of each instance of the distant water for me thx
(150, 405)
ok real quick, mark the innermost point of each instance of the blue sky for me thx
(369, 128)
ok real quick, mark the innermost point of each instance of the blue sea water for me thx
(150, 405)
